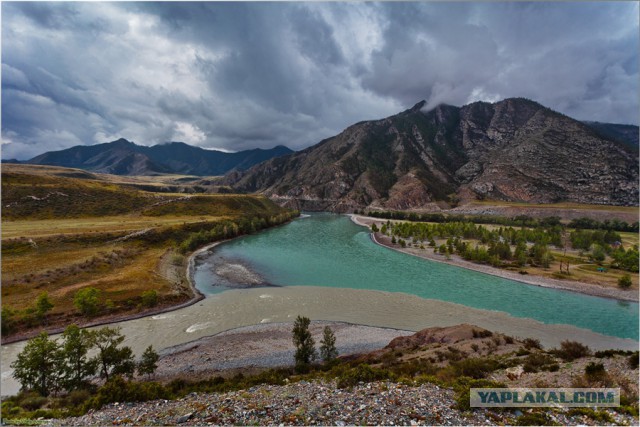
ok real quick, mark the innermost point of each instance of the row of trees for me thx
(228, 229)
(516, 221)
(305, 344)
(421, 231)
(88, 301)
(48, 366)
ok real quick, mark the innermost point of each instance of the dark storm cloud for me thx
(245, 75)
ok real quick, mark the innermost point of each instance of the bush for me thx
(530, 343)
(87, 301)
(462, 387)
(535, 419)
(149, 298)
(362, 373)
(595, 371)
(633, 361)
(625, 281)
(475, 367)
(571, 350)
(536, 362)
(119, 390)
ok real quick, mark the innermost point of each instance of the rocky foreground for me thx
(416, 398)
(319, 403)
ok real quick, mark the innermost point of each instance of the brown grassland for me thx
(64, 230)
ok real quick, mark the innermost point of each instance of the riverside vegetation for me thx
(584, 249)
(81, 248)
(438, 366)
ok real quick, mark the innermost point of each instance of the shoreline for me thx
(545, 282)
(196, 296)
(263, 346)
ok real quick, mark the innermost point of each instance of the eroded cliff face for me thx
(513, 150)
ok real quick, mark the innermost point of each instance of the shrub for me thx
(625, 281)
(633, 361)
(481, 334)
(530, 343)
(475, 367)
(535, 419)
(595, 371)
(571, 350)
(149, 298)
(362, 373)
(87, 301)
(462, 388)
(537, 361)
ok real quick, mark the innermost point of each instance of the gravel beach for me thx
(263, 346)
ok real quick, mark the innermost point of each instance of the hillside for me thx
(513, 150)
(123, 157)
(66, 230)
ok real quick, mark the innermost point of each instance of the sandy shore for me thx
(262, 346)
(573, 286)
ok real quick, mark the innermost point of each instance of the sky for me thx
(236, 76)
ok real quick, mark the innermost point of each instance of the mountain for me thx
(624, 134)
(512, 150)
(123, 157)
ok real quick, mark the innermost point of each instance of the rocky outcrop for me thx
(512, 150)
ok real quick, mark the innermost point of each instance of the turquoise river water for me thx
(331, 251)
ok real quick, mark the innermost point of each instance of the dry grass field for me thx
(64, 230)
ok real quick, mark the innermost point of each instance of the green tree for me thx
(37, 365)
(112, 359)
(43, 306)
(328, 350)
(149, 298)
(149, 362)
(598, 253)
(87, 301)
(7, 319)
(305, 345)
(625, 281)
(77, 366)
(374, 228)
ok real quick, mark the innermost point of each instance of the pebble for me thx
(311, 403)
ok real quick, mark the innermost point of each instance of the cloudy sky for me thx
(235, 76)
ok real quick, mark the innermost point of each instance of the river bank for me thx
(262, 346)
(573, 286)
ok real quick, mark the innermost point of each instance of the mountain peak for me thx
(419, 106)
(122, 141)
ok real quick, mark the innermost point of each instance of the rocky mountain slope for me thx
(512, 150)
(122, 157)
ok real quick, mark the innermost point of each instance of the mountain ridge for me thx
(511, 150)
(123, 157)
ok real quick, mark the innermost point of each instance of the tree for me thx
(77, 366)
(625, 281)
(36, 367)
(374, 228)
(305, 345)
(598, 253)
(328, 349)
(7, 320)
(87, 301)
(111, 359)
(43, 306)
(149, 298)
(148, 363)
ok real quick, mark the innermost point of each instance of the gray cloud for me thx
(245, 75)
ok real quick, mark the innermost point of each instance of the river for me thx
(341, 275)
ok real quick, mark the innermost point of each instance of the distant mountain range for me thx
(122, 157)
(512, 150)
